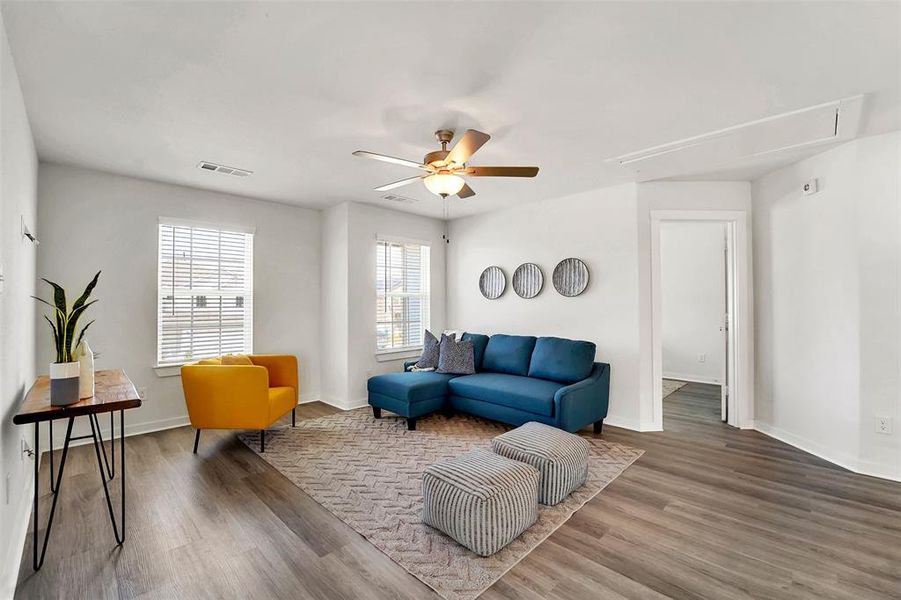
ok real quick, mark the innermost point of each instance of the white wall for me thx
(18, 181)
(828, 276)
(334, 288)
(600, 228)
(693, 289)
(90, 220)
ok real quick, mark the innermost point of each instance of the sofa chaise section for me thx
(409, 395)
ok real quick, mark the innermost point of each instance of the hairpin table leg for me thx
(38, 561)
(109, 503)
(95, 422)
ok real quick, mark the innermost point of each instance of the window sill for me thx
(392, 355)
(167, 371)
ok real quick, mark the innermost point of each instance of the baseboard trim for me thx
(845, 461)
(337, 404)
(631, 424)
(133, 429)
(691, 378)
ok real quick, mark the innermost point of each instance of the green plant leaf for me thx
(55, 310)
(55, 337)
(71, 324)
(60, 336)
(81, 335)
(87, 292)
(59, 295)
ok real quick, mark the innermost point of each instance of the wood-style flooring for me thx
(707, 512)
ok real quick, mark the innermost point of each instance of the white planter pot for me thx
(64, 383)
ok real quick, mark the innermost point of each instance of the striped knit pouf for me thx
(560, 457)
(480, 499)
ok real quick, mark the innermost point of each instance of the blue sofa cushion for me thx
(522, 393)
(479, 342)
(509, 354)
(410, 387)
(567, 361)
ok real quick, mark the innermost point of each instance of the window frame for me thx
(426, 296)
(166, 369)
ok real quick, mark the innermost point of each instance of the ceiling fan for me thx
(444, 168)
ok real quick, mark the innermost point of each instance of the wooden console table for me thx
(113, 391)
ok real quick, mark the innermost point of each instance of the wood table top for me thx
(113, 390)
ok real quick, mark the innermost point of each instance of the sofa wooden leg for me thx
(262, 440)
(196, 440)
(598, 425)
(411, 424)
(294, 417)
(376, 412)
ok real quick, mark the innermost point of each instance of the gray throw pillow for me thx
(430, 352)
(456, 357)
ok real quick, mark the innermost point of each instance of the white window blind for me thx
(205, 293)
(402, 286)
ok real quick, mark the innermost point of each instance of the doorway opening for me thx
(701, 305)
(694, 317)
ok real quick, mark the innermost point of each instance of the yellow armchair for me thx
(253, 395)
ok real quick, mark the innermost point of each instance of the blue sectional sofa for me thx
(518, 379)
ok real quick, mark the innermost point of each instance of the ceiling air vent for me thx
(396, 198)
(208, 166)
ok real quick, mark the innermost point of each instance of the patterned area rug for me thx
(671, 385)
(368, 473)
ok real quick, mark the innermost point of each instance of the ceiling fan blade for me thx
(471, 141)
(397, 184)
(501, 171)
(391, 159)
(465, 192)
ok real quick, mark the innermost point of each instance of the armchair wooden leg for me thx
(411, 424)
(598, 425)
(262, 440)
(294, 417)
(376, 412)
(196, 440)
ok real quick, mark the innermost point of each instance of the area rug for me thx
(671, 385)
(368, 473)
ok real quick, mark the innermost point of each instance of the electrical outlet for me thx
(884, 425)
(142, 392)
(702, 358)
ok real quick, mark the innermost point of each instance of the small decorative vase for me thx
(85, 371)
(64, 383)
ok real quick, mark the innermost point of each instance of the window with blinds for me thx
(402, 298)
(205, 293)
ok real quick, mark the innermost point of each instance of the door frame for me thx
(740, 367)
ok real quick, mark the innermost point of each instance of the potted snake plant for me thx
(64, 372)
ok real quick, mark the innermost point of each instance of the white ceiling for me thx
(289, 90)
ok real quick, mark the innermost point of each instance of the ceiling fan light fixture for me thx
(444, 184)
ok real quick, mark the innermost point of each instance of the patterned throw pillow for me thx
(456, 357)
(430, 352)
